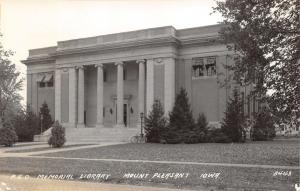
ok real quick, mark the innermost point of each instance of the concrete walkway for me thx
(4, 150)
(32, 184)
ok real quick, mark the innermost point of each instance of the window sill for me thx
(204, 77)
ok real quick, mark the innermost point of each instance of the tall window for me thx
(198, 67)
(42, 84)
(204, 66)
(211, 66)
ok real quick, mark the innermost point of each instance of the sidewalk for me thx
(31, 184)
(4, 150)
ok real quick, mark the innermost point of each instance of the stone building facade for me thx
(108, 80)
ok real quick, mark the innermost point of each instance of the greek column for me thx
(141, 89)
(150, 85)
(120, 96)
(169, 84)
(72, 96)
(80, 97)
(99, 95)
(58, 95)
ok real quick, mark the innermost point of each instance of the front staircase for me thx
(100, 134)
(94, 135)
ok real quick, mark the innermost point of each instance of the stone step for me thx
(96, 134)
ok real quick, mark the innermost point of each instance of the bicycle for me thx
(139, 138)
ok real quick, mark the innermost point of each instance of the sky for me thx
(29, 24)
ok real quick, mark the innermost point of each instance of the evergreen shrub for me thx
(8, 136)
(155, 123)
(233, 122)
(181, 127)
(47, 121)
(202, 128)
(57, 138)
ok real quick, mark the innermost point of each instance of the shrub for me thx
(181, 123)
(192, 137)
(263, 128)
(8, 136)
(232, 124)
(218, 136)
(57, 138)
(46, 122)
(26, 125)
(155, 123)
(201, 128)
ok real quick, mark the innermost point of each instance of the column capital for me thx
(119, 63)
(99, 65)
(141, 61)
(158, 60)
(80, 67)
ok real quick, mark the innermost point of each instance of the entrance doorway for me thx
(125, 114)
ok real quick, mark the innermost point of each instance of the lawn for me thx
(248, 178)
(272, 152)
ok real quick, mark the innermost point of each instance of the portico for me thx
(143, 98)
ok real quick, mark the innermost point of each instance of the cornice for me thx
(118, 45)
(38, 60)
(159, 41)
(202, 40)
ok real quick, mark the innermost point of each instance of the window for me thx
(211, 66)
(198, 67)
(204, 66)
(42, 84)
(50, 84)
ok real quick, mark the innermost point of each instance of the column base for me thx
(99, 125)
(120, 125)
(71, 125)
(80, 125)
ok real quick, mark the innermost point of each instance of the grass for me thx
(270, 153)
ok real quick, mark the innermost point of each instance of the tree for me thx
(155, 123)
(10, 84)
(263, 128)
(265, 37)
(181, 125)
(26, 125)
(8, 136)
(233, 121)
(46, 121)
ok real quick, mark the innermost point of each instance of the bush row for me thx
(180, 126)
